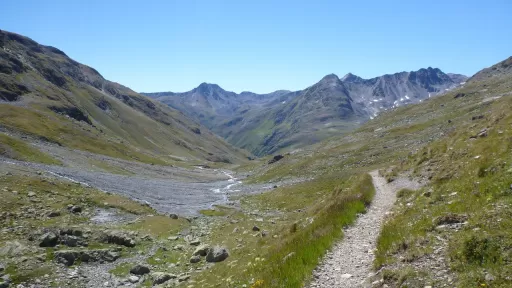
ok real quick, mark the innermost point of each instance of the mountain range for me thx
(47, 95)
(267, 123)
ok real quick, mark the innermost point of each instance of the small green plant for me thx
(480, 250)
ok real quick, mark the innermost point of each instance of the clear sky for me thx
(264, 45)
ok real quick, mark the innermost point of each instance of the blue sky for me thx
(262, 46)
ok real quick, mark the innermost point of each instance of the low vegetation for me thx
(19, 150)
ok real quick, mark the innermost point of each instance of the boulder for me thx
(133, 279)
(195, 259)
(217, 254)
(75, 209)
(140, 270)
(255, 228)
(275, 159)
(173, 216)
(201, 250)
(53, 214)
(48, 239)
(183, 278)
(68, 257)
(119, 238)
(72, 241)
(195, 242)
(161, 277)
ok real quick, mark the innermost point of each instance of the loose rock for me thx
(195, 259)
(201, 250)
(161, 277)
(48, 239)
(217, 254)
(140, 270)
(133, 279)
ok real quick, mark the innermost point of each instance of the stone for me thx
(489, 277)
(195, 259)
(173, 238)
(264, 233)
(275, 159)
(75, 209)
(68, 257)
(53, 214)
(140, 270)
(173, 216)
(161, 277)
(179, 247)
(201, 250)
(48, 239)
(482, 133)
(255, 228)
(119, 238)
(217, 254)
(133, 279)
(195, 242)
(31, 194)
(183, 278)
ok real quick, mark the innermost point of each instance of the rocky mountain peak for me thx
(351, 78)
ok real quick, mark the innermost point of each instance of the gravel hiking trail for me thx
(349, 262)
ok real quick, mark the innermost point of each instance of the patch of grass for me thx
(213, 212)
(19, 150)
(120, 202)
(110, 168)
(404, 193)
(162, 256)
(159, 226)
(122, 269)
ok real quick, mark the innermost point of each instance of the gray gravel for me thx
(164, 195)
(349, 263)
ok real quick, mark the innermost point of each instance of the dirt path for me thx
(349, 263)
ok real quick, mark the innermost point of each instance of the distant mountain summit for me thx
(266, 123)
(393, 90)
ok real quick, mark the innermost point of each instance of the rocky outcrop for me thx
(69, 257)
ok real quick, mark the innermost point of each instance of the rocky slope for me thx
(501, 69)
(266, 123)
(45, 93)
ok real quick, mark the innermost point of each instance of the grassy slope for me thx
(298, 231)
(470, 177)
(19, 150)
(436, 132)
(121, 124)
